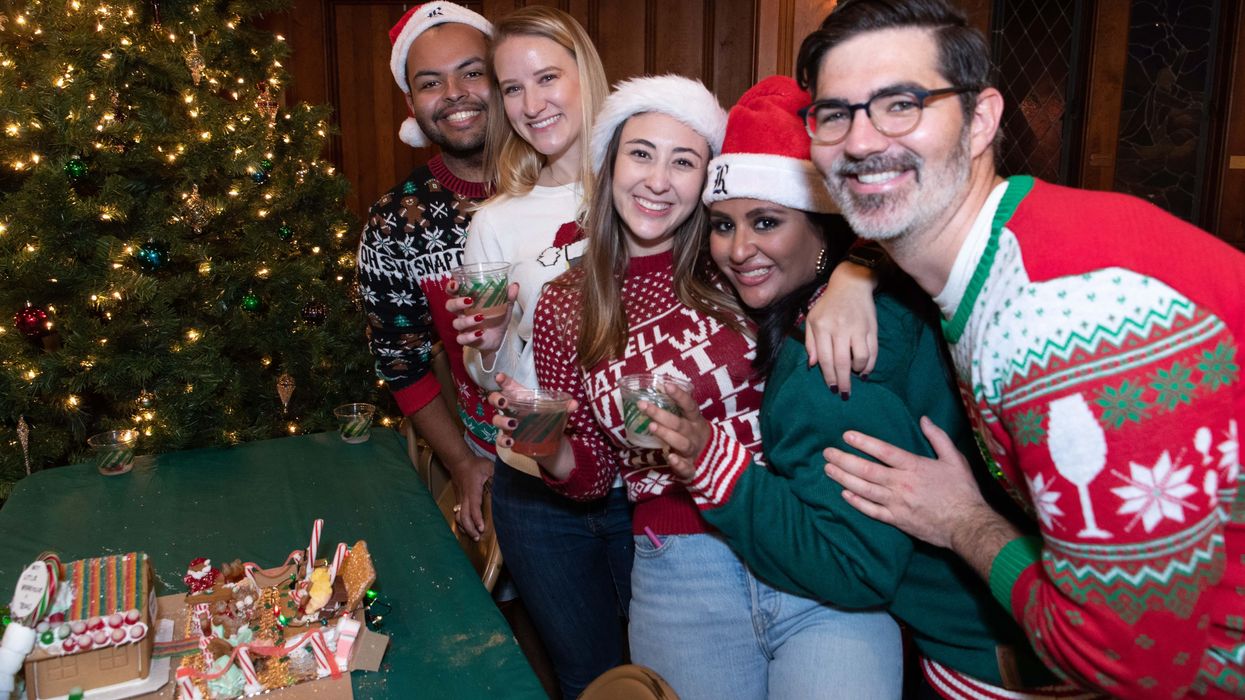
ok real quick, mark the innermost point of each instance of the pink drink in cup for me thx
(541, 416)
(485, 283)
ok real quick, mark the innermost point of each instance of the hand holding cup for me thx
(530, 421)
(480, 298)
(683, 432)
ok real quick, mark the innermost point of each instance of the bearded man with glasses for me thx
(1096, 342)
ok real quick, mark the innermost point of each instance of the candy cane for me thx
(338, 557)
(316, 527)
(325, 663)
(250, 568)
(187, 690)
(248, 671)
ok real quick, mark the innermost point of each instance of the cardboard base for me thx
(172, 612)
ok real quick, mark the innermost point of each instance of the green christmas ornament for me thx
(152, 256)
(285, 233)
(265, 165)
(75, 169)
(250, 302)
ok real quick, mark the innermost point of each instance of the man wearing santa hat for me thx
(414, 235)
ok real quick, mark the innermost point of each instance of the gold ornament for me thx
(267, 104)
(194, 61)
(197, 211)
(285, 389)
(23, 437)
(145, 399)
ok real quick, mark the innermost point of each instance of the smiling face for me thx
(450, 86)
(539, 83)
(764, 250)
(889, 187)
(658, 175)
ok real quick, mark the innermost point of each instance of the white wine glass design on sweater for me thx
(1078, 447)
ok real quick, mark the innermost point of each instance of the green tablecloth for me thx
(257, 502)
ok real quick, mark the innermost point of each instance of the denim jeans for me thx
(571, 562)
(705, 623)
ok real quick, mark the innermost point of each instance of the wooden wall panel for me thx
(676, 41)
(620, 30)
(733, 49)
(1226, 216)
(1108, 56)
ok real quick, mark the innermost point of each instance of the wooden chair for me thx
(484, 555)
(629, 682)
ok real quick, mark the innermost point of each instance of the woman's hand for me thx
(842, 329)
(475, 330)
(685, 436)
(559, 464)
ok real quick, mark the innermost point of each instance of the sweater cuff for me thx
(718, 468)
(414, 397)
(1010, 563)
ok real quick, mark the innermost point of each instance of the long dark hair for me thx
(776, 321)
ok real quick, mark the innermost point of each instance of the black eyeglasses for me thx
(893, 113)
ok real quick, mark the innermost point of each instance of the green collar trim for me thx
(1018, 186)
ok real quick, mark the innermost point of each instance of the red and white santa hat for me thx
(687, 100)
(416, 21)
(765, 154)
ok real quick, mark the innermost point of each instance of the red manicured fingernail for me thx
(479, 317)
(468, 301)
(479, 333)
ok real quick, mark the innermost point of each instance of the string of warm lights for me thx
(214, 175)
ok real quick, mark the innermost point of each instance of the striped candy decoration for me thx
(186, 688)
(105, 585)
(347, 631)
(248, 671)
(338, 557)
(326, 665)
(316, 528)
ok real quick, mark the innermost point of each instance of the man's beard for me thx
(461, 145)
(890, 215)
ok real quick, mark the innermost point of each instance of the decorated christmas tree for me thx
(175, 254)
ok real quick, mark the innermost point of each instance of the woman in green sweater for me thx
(772, 240)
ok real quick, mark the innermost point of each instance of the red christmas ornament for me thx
(31, 321)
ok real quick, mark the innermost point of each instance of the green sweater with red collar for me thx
(791, 525)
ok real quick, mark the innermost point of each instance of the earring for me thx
(821, 262)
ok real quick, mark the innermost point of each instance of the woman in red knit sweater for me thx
(698, 616)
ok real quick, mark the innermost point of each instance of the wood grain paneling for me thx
(620, 28)
(1104, 91)
(733, 48)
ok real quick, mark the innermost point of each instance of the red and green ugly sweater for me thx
(1096, 346)
(663, 337)
(412, 239)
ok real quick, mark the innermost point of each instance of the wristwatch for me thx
(869, 255)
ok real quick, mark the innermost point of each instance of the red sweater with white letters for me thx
(663, 337)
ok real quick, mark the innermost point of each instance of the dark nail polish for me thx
(864, 377)
(512, 424)
(845, 396)
(834, 388)
(479, 317)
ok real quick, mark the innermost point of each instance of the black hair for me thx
(776, 321)
(963, 55)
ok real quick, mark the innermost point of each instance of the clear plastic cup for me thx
(114, 451)
(651, 388)
(485, 283)
(355, 421)
(541, 416)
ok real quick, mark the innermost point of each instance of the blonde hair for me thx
(602, 319)
(513, 165)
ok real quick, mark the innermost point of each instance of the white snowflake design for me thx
(653, 481)
(433, 237)
(1045, 500)
(438, 210)
(1230, 453)
(401, 297)
(406, 246)
(460, 235)
(368, 294)
(1155, 493)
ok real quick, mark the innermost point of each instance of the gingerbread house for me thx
(104, 638)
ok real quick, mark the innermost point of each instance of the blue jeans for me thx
(571, 562)
(712, 630)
